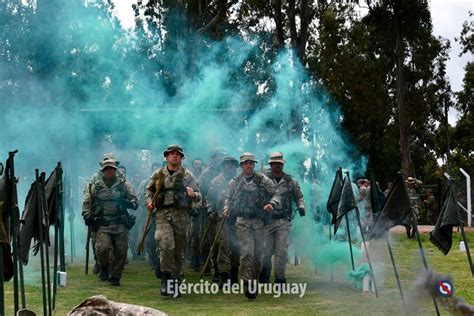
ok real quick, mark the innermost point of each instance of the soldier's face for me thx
(247, 167)
(174, 158)
(197, 164)
(229, 167)
(109, 172)
(277, 167)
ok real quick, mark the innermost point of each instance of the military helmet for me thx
(276, 156)
(173, 147)
(230, 159)
(218, 151)
(108, 162)
(247, 156)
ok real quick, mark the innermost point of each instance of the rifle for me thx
(89, 230)
(146, 227)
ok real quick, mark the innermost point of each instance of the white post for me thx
(468, 193)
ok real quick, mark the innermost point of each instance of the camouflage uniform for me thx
(109, 218)
(245, 199)
(228, 247)
(150, 242)
(173, 206)
(364, 198)
(204, 181)
(279, 224)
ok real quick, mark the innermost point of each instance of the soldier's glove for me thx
(301, 211)
(212, 217)
(88, 221)
(129, 204)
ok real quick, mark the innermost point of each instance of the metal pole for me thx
(372, 275)
(422, 252)
(468, 193)
(39, 209)
(330, 239)
(395, 271)
(48, 272)
(350, 242)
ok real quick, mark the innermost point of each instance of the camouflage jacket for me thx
(207, 176)
(246, 197)
(108, 202)
(289, 191)
(217, 192)
(172, 193)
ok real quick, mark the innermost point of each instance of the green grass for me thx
(323, 297)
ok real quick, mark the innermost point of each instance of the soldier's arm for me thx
(130, 196)
(298, 195)
(228, 197)
(86, 204)
(271, 191)
(150, 188)
(190, 182)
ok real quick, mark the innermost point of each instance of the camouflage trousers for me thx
(136, 232)
(151, 247)
(276, 243)
(197, 228)
(108, 243)
(250, 233)
(228, 251)
(171, 230)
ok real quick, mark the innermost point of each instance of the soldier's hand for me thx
(225, 214)
(190, 192)
(268, 208)
(150, 206)
(212, 217)
(301, 211)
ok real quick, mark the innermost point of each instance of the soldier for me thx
(106, 212)
(208, 223)
(412, 185)
(278, 228)
(197, 167)
(363, 199)
(171, 191)
(250, 197)
(228, 248)
(431, 208)
(194, 227)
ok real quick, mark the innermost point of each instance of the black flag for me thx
(394, 209)
(442, 234)
(335, 195)
(376, 195)
(346, 203)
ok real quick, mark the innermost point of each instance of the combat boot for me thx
(234, 275)
(165, 276)
(264, 276)
(96, 268)
(104, 274)
(250, 296)
(225, 278)
(280, 280)
(114, 281)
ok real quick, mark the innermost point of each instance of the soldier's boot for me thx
(280, 280)
(158, 273)
(104, 274)
(96, 268)
(216, 277)
(114, 281)
(264, 276)
(195, 263)
(234, 275)
(165, 276)
(225, 278)
(175, 288)
(248, 294)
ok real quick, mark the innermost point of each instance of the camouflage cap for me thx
(174, 147)
(108, 163)
(108, 156)
(246, 156)
(219, 151)
(230, 159)
(276, 156)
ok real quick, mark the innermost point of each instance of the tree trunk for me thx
(407, 163)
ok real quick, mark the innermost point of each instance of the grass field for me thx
(323, 296)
